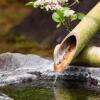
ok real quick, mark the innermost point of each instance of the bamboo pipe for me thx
(77, 39)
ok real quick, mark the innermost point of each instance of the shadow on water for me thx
(62, 90)
(74, 91)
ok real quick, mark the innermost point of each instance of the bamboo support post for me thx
(90, 56)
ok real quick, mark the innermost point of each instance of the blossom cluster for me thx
(62, 13)
(68, 13)
(50, 4)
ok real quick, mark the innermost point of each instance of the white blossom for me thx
(68, 13)
(49, 4)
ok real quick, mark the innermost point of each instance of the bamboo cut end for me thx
(63, 53)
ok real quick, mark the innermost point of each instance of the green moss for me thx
(28, 93)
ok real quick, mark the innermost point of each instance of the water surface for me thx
(59, 92)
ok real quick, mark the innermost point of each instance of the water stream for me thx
(56, 76)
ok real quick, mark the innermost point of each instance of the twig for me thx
(72, 4)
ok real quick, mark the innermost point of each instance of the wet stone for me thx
(30, 69)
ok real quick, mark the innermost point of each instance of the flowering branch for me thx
(62, 13)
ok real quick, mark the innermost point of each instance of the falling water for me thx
(57, 57)
(56, 77)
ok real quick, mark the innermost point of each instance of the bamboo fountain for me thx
(73, 47)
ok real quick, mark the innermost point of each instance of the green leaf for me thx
(77, 1)
(66, 8)
(58, 25)
(73, 17)
(56, 17)
(30, 3)
(60, 13)
(80, 16)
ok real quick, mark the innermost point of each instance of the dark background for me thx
(27, 30)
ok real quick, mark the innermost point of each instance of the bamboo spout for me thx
(64, 52)
(77, 39)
